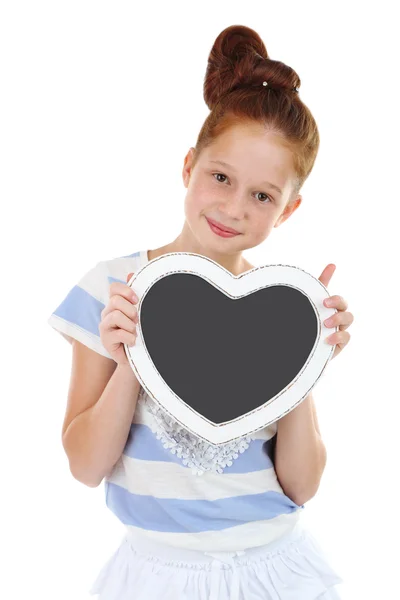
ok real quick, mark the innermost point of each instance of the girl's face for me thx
(250, 195)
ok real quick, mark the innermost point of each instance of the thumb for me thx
(327, 273)
(129, 276)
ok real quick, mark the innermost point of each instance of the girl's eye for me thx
(269, 197)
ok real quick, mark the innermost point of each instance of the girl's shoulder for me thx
(118, 268)
(78, 314)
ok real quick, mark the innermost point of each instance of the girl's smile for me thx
(219, 231)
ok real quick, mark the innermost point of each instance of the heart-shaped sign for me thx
(227, 355)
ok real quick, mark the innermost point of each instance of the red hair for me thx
(238, 65)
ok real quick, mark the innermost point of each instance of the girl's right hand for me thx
(118, 321)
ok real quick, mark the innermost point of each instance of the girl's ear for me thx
(187, 167)
(289, 209)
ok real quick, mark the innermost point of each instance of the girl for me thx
(202, 521)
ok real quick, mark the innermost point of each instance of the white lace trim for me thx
(195, 453)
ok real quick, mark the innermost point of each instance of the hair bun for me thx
(239, 59)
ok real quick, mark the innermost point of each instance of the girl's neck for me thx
(235, 269)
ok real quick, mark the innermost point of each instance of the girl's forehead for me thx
(231, 147)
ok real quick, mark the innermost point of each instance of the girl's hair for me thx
(238, 65)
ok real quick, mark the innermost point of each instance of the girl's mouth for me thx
(219, 231)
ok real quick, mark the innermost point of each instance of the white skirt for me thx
(292, 568)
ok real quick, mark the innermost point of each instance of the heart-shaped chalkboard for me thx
(227, 355)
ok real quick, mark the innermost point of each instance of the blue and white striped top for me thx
(168, 485)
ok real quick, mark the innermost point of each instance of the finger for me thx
(336, 302)
(125, 306)
(340, 338)
(340, 319)
(109, 309)
(327, 273)
(118, 320)
(119, 303)
(122, 289)
(135, 298)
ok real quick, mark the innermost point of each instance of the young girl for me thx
(202, 521)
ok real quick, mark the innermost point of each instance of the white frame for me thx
(234, 287)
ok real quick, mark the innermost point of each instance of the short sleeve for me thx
(79, 314)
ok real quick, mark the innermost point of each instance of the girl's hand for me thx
(340, 319)
(118, 321)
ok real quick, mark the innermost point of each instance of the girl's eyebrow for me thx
(224, 164)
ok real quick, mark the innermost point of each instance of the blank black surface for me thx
(222, 356)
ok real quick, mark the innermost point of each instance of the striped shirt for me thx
(168, 484)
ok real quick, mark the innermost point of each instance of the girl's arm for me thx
(95, 439)
(300, 454)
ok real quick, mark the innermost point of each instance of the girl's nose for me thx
(233, 209)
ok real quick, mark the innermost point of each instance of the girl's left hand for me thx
(341, 319)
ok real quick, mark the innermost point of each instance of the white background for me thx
(99, 103)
